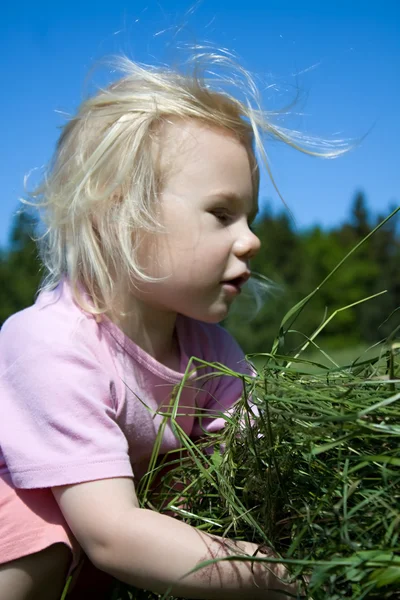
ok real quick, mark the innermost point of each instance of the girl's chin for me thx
(213, 313)
(217, 315)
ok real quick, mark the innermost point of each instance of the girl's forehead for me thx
(191, 145)
(191, 133)
(208, 165)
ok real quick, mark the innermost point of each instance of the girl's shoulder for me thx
(54, 320)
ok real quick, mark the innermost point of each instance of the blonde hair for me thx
(102, 185)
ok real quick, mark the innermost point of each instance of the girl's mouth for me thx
(233, 286)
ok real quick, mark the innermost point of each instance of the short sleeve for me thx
(223, 390)
(58, 421)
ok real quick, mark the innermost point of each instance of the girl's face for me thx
(206, 205)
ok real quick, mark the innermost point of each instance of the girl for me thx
(148, 206)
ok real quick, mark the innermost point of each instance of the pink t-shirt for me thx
(80, 401)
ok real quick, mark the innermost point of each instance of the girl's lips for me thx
(237, 282)
(233, 286)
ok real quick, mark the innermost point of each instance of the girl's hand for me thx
(263, 571)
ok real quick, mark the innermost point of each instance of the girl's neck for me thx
(151, 329)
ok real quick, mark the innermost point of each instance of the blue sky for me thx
(344, 57)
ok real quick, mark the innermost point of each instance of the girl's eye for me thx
(222, 215)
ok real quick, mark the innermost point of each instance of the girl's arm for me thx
(153, 551)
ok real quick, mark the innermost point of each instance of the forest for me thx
(292, 263)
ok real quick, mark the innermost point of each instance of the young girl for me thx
(148, 206)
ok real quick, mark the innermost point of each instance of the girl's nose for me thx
(247, 245)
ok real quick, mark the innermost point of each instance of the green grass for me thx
(327, 356)
(315, 476)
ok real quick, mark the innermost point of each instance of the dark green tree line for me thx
(19, 268)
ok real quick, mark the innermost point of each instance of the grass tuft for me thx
(310, 467)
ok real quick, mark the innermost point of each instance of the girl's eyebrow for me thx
(238, 201)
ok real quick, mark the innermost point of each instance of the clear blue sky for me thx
(344, 56)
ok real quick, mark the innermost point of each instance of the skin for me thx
(27, 578)
(206, 206)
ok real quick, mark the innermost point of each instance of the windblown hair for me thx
(101, 190)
